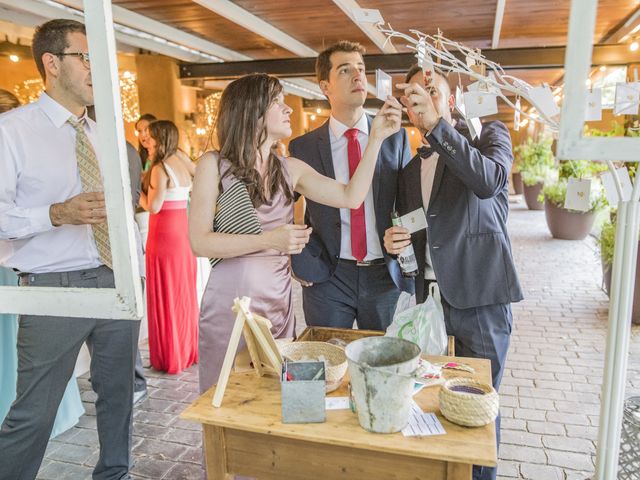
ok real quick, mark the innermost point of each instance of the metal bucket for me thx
(381, 370)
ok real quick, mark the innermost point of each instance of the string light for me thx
(29, 91)
(318, 111)
(129, 96)
(14, 58)
(313, 117)
(211, 104)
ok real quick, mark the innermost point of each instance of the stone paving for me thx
(549, 395)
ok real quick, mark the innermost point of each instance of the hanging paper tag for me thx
(543, 100)
(424, 59)
(593, 111)
(516, 116)
(627, 99)
(459, 101)
(383, 85)
(577, 197)
(479, 104)
(610, 187)
(475, 127)
(479, 69)
(480, 86)
(367, 15)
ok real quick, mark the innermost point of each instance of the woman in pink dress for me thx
(252, 118)
(172, 308)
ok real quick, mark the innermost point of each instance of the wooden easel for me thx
(262, 347)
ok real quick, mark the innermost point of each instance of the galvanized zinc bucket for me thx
(381, 370)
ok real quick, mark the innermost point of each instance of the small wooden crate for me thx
(323, 334)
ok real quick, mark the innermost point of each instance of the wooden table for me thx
(245, 436)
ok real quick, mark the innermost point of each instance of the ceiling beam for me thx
(628, 26)
(124, 34)
(497, 24)
(255, 24)
(370, 30)
(508, 58)
(140, 22)
(32, 13)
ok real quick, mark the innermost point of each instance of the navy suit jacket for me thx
(319, 259)
(467, 216)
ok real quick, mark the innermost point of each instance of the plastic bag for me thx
(423, 324)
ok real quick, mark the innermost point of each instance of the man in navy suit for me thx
(345, 271)
(462, 185)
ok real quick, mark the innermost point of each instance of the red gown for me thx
(172, 306)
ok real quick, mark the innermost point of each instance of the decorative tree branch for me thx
(436, 51)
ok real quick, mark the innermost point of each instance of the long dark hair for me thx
(143, 152)
(241, 131)
(166, 135)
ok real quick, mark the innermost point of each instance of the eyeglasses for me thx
(83, 56)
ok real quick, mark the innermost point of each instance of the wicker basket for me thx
(334, 356)
(467, 402)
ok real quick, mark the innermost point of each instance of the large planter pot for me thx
(518, 187)
(606, 275)
(531, 193)
(568, 224)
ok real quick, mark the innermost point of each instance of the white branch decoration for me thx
(491, 75)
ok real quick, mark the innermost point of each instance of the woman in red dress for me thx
(172, 308)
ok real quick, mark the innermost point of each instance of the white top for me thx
(340, 156)
(175, 193)
(427, 174)
(39, 168)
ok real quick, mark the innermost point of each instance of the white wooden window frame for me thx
(125, 300)
(573, 146)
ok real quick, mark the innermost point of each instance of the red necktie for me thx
(358, 227)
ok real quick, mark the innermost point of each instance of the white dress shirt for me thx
(427, 175)
(39, 168)
(340, 156)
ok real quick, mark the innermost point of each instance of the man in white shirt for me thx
(346, 273)
(52, 232)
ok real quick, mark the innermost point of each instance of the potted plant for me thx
(516, 176)
(606, 242)
(535, 163)
(568, 224)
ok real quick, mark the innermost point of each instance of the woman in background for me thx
(70, 409)
(142, 130)
(172, 308)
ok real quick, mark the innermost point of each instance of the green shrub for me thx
(535, 160)
(606, 242)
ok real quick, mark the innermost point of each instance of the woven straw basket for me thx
(334, 356)
(467, 402)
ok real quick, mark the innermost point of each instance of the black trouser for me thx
(481, 332)
(47, 351)
(366, 294)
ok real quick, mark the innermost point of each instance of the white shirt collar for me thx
(338, 128)
(59, 114)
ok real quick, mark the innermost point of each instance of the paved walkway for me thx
(549, 396)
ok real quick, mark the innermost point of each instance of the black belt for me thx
(364, 263)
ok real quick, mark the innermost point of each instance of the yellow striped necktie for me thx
(91, 182)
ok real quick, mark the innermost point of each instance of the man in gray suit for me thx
(462, 185)
(48, 230)
(344, 269)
